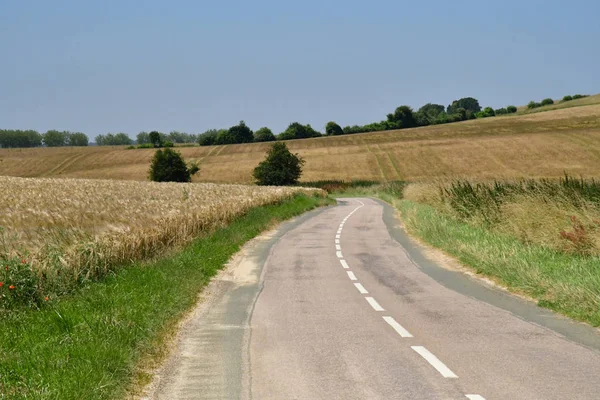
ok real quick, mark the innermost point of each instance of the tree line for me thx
(402, 117)
(31, 138)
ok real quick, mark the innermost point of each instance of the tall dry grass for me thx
(68, 231)
(562, 214)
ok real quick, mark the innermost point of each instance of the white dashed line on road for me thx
(474, 397)
(338, 247)
(351, 275)
(361, 288)
(339, 254)
(344, 264)
(434, 361)
(337, 236)
(337, 241)
(374, 304)
(397, 327)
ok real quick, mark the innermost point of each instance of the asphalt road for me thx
(341, 305)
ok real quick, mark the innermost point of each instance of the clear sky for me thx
(126, 66)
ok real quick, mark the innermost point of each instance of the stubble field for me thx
(543, 144)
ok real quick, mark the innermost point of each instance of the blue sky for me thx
(127, 66)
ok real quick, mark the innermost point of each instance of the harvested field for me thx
(543, 144)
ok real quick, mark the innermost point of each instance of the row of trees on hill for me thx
(31, 138)
(548, 101)
(402, 117)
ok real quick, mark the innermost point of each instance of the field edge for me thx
(93, 343)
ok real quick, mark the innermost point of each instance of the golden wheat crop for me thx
(83, 228)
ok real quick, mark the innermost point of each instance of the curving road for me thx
(341, 305)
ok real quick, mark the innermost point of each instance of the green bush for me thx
(155, 138)
(511, 109)
(501, 111)
(567, 98)
(264, 135)
(298, 131)
(168, 143)
(18, 138)
(579, 96)
(208, 138)
(547, 102)
(486, 113)
(168, 166)
(532, 104)
(240, 133)
(279, 168)
(333, 129)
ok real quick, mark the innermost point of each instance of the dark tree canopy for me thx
(78, 139)
(333, 129)
(432, 110)
(208, 138)
(54, 138)
(468, 103)
(279, 168)
(225, 137)
(402, 117)
(19, 138)
(240, 133)
(547, 102)
(298, 131)
(155, 138)
(168, 166)
(264, 135)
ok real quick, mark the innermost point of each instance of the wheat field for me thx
(543, 144)
(71, 230)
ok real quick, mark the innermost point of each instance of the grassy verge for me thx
(566, 283)
(87, 345)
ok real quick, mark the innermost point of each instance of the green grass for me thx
(88, 345)
(566, 283)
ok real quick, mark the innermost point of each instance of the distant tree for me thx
(298, 131)
(501, 111)
(155, 138)
(422, 119)
(224, 137)
(208, 138)
(241, 133)
(579, 96)
(511, 109)
(333, 129)
(547, 102)
(143, 138)
(54, 138)
(19, 138)
(567, 98)
(486, 112)
(468, 103)
(168, 166)
(431, 111)
(402, 117)
(264, 135)
(122, 139)
(78, 139)
(532, 104)
(279, 168)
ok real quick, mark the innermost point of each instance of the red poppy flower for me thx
(11, 287)
(46, 298)
(1, 284)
